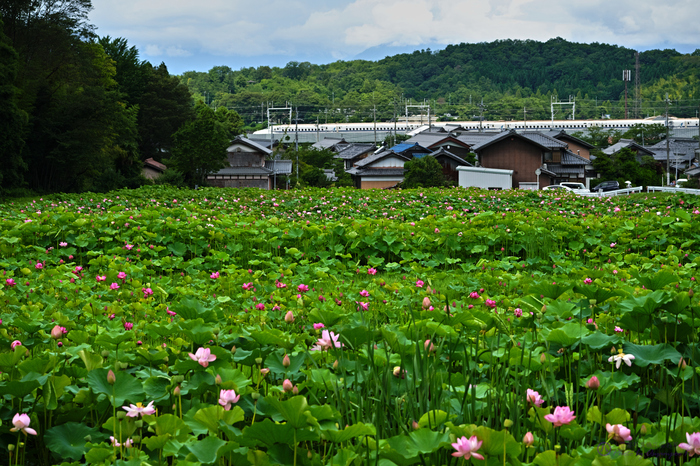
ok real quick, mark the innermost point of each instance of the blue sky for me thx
(197, 35)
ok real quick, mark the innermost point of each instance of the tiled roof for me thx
(376, 171)
(569, 158)
(560, 169)
(281, 167)
(354, 150)
(264, 142)
(684, 147)
(445, 152)
(149, 162)
(626, 143)
(544, 140)
(244, 171)
(374, 157)
(249, 143)
(329, 143)
(561, 134)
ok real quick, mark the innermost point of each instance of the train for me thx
(411, 127)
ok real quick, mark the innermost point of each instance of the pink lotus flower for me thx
(63, 244)
(10, 282)
(618, 358)
(534, 397)
(587, 281)
(129, 247)
(280, 285)
(114, 286)
(39, 265)
(128, 325)
(127, 444)
(260, 307)
(228, 397)
(593, 383)
(147, 292)
(474, 295)
(518, 312)
(528, 439)
(428, 346)
(101, 278)
(491, 303)
(302, 288)
(15, 344)
(364, 306)
(21, 422)
(318, 325)
(364, 293)
(618, 432)
(562, 415)
(215, 275)
(372, 271)
(121, 275)
(693, 445)
(618, 329)
(467, 447)
(170, 313)
(57, 332)
(247, 286)
(327, 340)
(139, 409)
(420, 283)
(203, 356)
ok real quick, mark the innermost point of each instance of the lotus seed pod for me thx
(507, 423)
(105, 353)
(139, 423)
(258, 361)
(178, 379)
(121, 415)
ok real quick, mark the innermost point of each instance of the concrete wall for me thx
(485, 178)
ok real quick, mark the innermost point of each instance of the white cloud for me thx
(343, 28)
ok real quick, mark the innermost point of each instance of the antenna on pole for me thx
(481, 115)
(668, 134)
(637, 96)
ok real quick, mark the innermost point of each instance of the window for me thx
(548, 156)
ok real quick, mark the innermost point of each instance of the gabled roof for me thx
(403, 147)
(247, 142)
(265, 142)
(431, 141)
(330, 142)
(544, 140)
(472, 138)
(151, 163)
(442, 152)
(569, 158)
(625, 144)
(540, 140)
(681, 148)
(357, 171)
(353, 150)
(561, 134)
(379, 156)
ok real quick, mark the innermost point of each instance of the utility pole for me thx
(524, 117)
(296, 144)
(374, 116)
(637, 96)
(481, 115)
(626, 74)
(668, 134)
(394, 123)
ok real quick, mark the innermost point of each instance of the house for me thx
(628, 144)
(152, 169)
(354, 152)
(381, 170)
(449, 163)
(246, 166)
(575, 145)
(332, 143)
(437, 140)
(527, 154)
(411, 150)
(680, 154)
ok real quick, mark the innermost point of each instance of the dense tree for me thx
(423, 172)
(312, 162)
(646, 135)
(12, 119)
(199, 146)
(626, 165)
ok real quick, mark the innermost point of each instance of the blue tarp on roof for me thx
(399, 148)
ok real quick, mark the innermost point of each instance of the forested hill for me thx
(507, 74)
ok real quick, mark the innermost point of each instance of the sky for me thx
(198, 35)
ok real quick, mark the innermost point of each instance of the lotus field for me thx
(344, 327)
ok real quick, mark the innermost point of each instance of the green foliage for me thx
(625, 165)
(312, 162)
(423, 172)
(200, 145)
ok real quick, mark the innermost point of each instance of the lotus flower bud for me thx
(56, 332)
(285, 361)
(643, 429)
(528, 439)
(335, 365)
(217, 380)
(426, 302)
(289, 317)
(264, 371)
(233, 349)
(176, 392)
(593, 383)
(111, 378)
(428, 346)
(415, 425)
(295, 390)
(682, 363)
(691, 293)
(287, 385)
(398, 372)
(543, 358)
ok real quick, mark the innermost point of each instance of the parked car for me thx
(606, 186)
(557, 187)
(578, 188)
